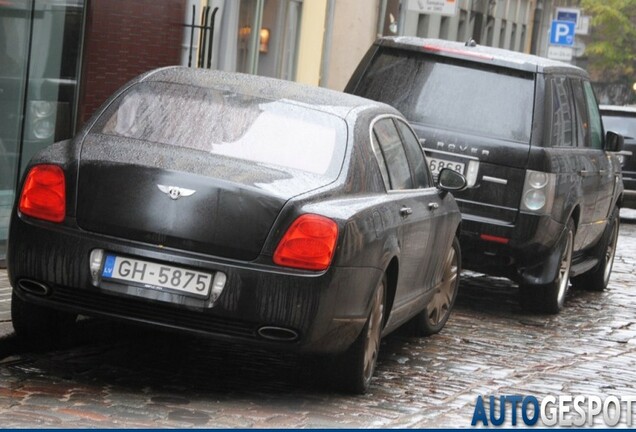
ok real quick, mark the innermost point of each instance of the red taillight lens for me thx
(44, 193)
(308, 244)
(494, 239)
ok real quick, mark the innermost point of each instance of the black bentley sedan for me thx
(242, 208)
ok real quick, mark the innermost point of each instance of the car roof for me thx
(312, 97)
(481, 54)
(618, 109)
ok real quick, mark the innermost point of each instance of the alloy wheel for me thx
(564, 268)
(374, 330)
(440, 305)
(611, 252)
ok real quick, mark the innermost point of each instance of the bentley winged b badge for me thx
(175, 192)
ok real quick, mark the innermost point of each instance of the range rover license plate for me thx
(157, 276)
(436, 165)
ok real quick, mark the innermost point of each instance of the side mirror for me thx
(614, 142)
(451, 181)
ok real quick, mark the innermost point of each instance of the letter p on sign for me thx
(562, 33)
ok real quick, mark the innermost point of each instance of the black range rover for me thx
(526, 132)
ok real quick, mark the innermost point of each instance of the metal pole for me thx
(194, 8)
(216, 9)
(204, 21)
(381, 19)
(327, 41)
(252, 59)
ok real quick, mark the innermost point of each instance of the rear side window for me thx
(378, 155)
(562, 113)
(458, 96)
(415, 155)
(238, 126)
(393, 153)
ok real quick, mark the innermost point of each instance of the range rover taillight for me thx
(308, 244)
(44, 193)
(538, 192)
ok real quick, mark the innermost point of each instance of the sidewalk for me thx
(5, 304)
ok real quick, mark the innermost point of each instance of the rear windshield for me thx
(625, 126)
(277, 133)
(456, 96)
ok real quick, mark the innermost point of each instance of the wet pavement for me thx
(117, 376)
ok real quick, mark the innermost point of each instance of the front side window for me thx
(276, 133)
(596, 125)
(620, 123)
(582, 117)
(440, 93)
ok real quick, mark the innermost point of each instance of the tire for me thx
(434, 316)
(598, 278)
(38, 327)
(549, 299)
(355, 367)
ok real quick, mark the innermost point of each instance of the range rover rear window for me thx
(487, 102)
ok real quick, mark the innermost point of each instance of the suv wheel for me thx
(598, 278)
(550, 298)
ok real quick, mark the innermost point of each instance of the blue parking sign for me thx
(562, 33)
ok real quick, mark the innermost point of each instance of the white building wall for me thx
(354, 30)
(502, 23)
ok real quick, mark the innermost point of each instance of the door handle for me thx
(433, 206)
(406, 211)
(585, 173)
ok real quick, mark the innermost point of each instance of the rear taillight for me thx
(308, 244)
(44, 193)
(494, 239)
(538, 192)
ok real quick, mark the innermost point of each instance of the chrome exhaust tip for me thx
(34, 287)
(279, 334)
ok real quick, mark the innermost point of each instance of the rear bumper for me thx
(524, 250)
(326, 311)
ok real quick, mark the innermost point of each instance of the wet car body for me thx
(136, 201)
(622, 119)
(500, 117)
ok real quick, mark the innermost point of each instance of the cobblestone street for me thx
(116, 376)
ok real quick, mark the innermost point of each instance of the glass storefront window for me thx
(271, 51)
(14, 37)
(40, 45)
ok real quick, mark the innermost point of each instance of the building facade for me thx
(505, 24)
